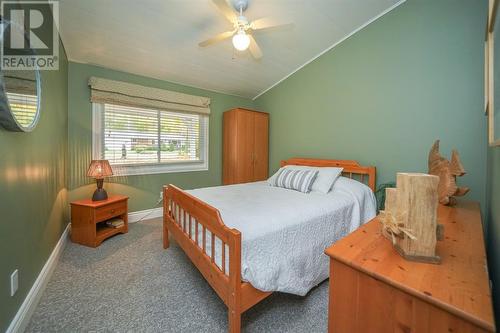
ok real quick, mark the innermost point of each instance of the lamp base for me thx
(100, 193)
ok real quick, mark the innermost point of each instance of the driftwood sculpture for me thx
(447, 171)
(410, 216)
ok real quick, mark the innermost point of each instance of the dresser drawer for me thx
(110, 211)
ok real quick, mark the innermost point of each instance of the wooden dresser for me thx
(373, 289)
(245, 146)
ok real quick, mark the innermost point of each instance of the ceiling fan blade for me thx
(267, 23)
(227, 11)
(254, 48)
(217, 38)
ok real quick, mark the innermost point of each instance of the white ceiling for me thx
(159, 38)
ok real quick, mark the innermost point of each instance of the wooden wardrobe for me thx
(245, 146)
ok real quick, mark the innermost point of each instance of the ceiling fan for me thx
(242, 28)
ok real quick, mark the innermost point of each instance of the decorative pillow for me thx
(298, 180)
(272, 179)
(323, 182)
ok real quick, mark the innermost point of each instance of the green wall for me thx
(380, 97)
(385, 94)
(144, 191)
(33, 195)
(494, 224)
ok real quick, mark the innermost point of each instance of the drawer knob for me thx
(112, 211)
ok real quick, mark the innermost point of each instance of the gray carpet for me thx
(130, 284)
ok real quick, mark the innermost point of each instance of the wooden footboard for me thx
(198, 229)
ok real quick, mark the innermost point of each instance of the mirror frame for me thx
(7, 119)
(489, 64)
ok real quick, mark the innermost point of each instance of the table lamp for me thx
(99, 169)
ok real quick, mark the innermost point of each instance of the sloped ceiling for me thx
(159, 38)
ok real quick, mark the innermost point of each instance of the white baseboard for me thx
(24, 313)
(145, 214)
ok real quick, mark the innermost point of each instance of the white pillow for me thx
(323, 182)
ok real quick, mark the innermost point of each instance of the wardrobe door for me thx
(230, 143)
(245, 146)
(261, 146)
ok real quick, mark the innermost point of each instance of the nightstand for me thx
(88, 219)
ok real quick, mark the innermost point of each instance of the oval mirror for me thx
(20, 98)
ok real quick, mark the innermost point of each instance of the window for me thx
(146, 141)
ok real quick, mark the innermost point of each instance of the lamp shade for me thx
(241, 41)
(99, 169)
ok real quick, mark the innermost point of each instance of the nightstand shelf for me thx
(88, 219)
(103, 232)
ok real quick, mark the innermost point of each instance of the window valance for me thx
(20, 83)
(128, 94)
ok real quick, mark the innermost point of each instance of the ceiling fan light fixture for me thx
(241, 41)
(243, 29)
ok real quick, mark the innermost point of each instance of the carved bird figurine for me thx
(447, 171)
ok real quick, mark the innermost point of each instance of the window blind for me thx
(23, 107)
(139, 136)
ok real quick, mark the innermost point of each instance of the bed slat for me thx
(179, 216)
(212, 248)
(176, 217)
(204, 239)
(223, 257)
(190, 233)
(196, 232)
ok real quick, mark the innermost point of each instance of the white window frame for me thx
(145, 169)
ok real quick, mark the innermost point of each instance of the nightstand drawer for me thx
(111, 210)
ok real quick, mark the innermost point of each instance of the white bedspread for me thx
(285, 232)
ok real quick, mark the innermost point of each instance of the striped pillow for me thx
(298, 180)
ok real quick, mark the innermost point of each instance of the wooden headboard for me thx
(352, 169)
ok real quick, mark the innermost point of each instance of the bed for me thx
(284, 232)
